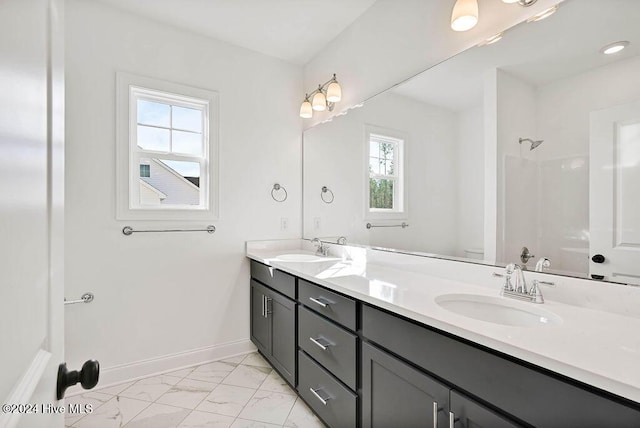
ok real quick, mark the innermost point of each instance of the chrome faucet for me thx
(321, 249)
(518, 288)
(342, 240)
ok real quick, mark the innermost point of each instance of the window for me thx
(386, 190)
(167, 150)
(145, 170)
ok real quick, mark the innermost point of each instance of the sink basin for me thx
(303, 258)
(498, 310)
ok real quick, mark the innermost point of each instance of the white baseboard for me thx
(22, 392)
(115, 375)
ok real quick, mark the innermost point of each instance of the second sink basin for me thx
(498, 310)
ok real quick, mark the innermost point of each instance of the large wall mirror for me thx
(531, 142)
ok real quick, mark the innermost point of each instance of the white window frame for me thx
(129, 89)
(401, 193)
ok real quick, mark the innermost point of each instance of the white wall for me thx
(394, 40)
(334, 157)
(517, 172)
(470, 179)
(159, 295)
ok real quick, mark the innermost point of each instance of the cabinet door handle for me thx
(263, 313)
(320, 301)
(267, 300)
(436, 409)
(321, 342)
(452, 419)
(323, 400)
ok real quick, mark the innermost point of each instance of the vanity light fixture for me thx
(306, 109)
(464, 15)
(544, 14)
(323, 98)
(613, 48)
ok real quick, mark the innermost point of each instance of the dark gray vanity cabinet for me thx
(521, 394)
(362, 366)
(273, 325)
(396, 394)
(467, 413)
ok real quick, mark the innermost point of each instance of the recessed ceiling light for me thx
(544, 14)
(493, 39)
(614, 47)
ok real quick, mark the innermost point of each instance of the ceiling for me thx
(292, 30)
(566, 44)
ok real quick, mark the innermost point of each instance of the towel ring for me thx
(325, 190)
(277, 187)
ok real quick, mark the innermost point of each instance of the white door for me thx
(614, 197)
(31, 211)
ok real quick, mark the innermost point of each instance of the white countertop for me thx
(597, 347)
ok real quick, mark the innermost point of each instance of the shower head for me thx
(534, 144)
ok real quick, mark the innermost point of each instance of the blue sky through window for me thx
(185, 169)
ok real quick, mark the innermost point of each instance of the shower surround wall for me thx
(165, 300)
(545, 192)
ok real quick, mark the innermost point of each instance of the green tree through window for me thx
(383, 173)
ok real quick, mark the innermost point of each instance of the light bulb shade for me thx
(306, 112)
(319, 102)
(464, 15)
(334, 92)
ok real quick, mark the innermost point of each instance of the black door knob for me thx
(598, 258)
(87, 376)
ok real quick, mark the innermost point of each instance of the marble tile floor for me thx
(240, 392)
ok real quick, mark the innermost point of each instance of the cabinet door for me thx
(467, 413)
(395, 394)
(282, 313)
(260, 323)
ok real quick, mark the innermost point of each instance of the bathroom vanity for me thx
(367, 344)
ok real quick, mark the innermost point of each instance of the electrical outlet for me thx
(316, 223)
(284, 223)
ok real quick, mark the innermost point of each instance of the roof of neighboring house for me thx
(174, 172)
(194, 180)
(153, 189)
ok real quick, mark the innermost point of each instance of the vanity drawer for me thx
(332, 305)
(334, 403)
(339, 355)
(278, 280)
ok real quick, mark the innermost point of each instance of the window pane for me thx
(387, 167)
(145, 170)
(170, 183)
(188, 119)
(374, 149)
(157, 114)
(153, 138)
(374, 165)
(188, 143)
(380, 193)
